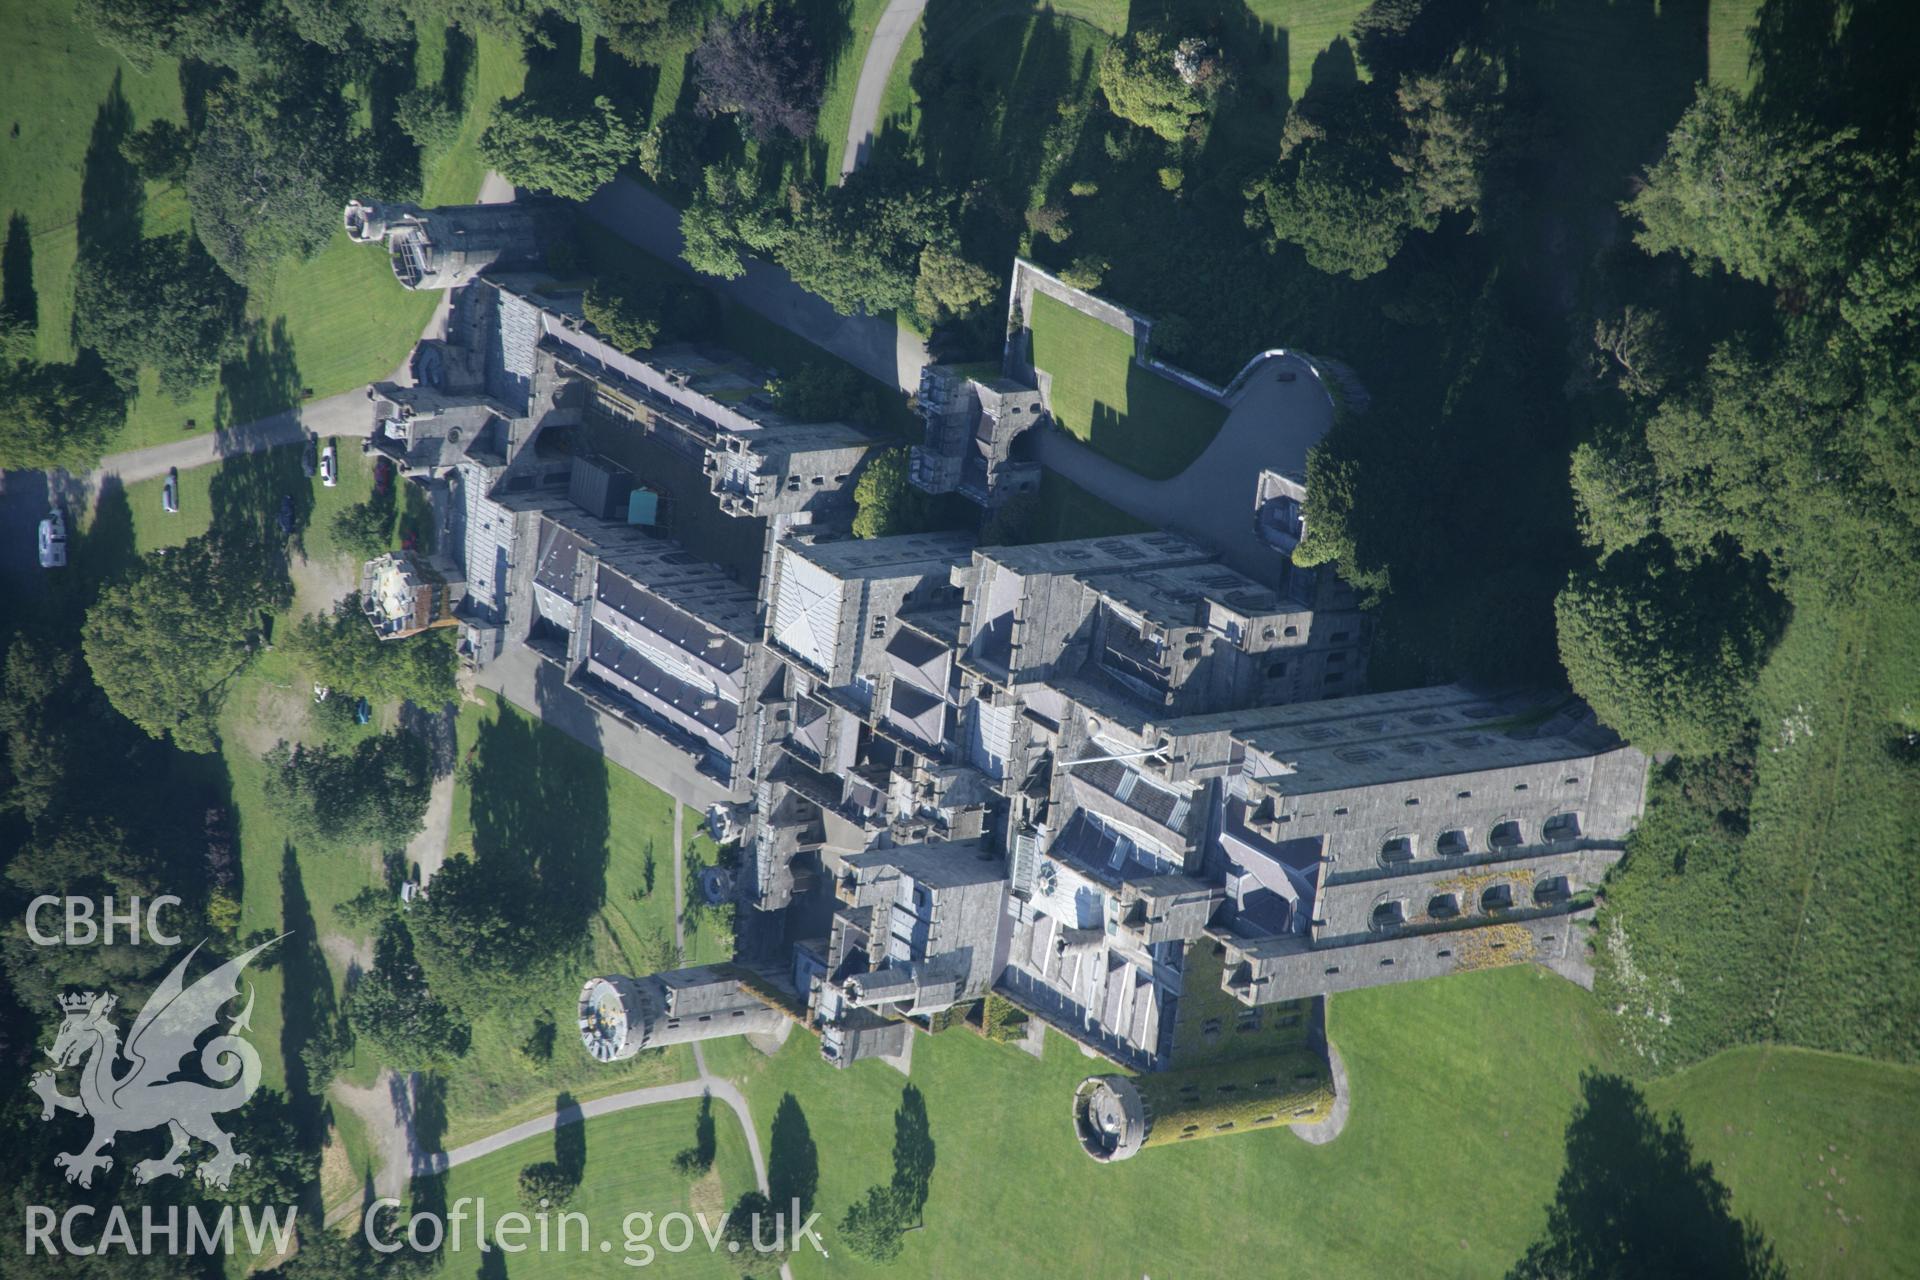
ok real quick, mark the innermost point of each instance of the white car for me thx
(330, 466)
(53, 540)
(170, 492)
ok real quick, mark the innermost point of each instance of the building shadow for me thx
(1633, 1201)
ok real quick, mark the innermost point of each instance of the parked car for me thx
(170, 492)
(285, 518)
(309, 455)
(330, 466)
(53, 540)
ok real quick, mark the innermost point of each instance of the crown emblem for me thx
(77, 1002)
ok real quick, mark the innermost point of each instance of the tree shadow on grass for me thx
(456, 67)
(19, 302)
(107, 549)
(391, 162)
(307, 1004)
(263, 380)
(1632, 1201)
(539, 806)
(569, 1138)
(990, 91)
(793, 1161)
(552, 53)
(913, 1152)
(1808, 61)
(112, 193)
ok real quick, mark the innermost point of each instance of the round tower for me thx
(1109, 1117)
(366, 222)
(612, 1018)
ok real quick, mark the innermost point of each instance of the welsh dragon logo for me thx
(145, 1095)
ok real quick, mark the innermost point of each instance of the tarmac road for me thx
(888, 35)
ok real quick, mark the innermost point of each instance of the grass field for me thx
(709, 935)
(1103, 397)
(1818, 1148)
(325, 325)
(1727, 48)
(1461, 1092)
(627, 1169)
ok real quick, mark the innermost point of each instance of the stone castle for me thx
(1121, 784)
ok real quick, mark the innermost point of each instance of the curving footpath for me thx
(426, 1164)
(888, 35)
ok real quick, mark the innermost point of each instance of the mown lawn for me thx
(1103, 397)
(325, 325)
(1462, 1090)
(1727, 45)
(1819, 1148)
(709, 934)
(626, 1164)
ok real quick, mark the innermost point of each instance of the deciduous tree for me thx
(269, 175)
(1143, 86)
(164, 641)
(760, 66)
(56, 415)
(1667, 656)
(484, 941)
(374, 794)
(341, 650)
(392, 1007)
(161, 304)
